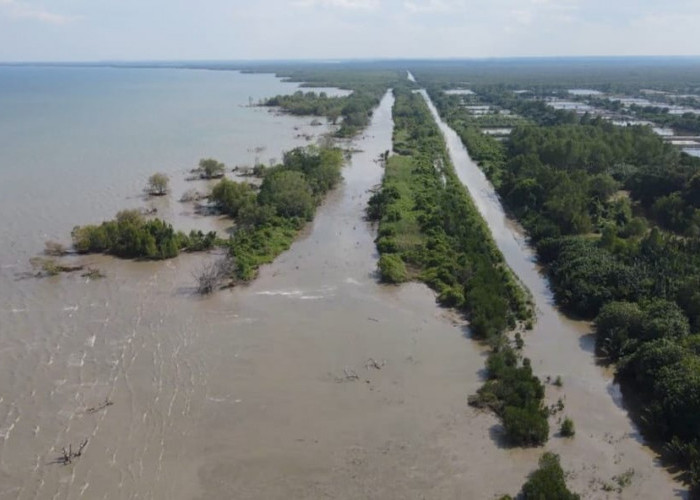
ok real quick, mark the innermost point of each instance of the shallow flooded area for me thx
(314, 381)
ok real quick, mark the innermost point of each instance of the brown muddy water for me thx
(607, 443)
(312, 382)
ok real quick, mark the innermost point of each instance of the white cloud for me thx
(343, 4)
(545, 11)
(426, 6)
(19, 10)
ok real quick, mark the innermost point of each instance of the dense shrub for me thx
(526, 426)
(392, 269)
(560, 178)
(231, 196)
(287, 198)
(548, 482)
(567, 428)
(130, 235)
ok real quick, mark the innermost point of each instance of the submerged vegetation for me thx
(353, 112)
(267, 220)
(130, 235)
(430, 230)
(209, 168)
(614, 213)
(157, 184)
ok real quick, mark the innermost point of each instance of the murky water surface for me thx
(312, 382)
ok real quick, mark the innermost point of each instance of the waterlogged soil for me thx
(607, 443)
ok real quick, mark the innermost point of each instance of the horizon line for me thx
(327, 60)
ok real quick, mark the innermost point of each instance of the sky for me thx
(142, 30)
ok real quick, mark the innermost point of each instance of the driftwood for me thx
(69, 455)
(213, 275)
(94, 409)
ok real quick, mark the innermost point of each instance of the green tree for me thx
(526, 426)
(230, 196)
(547, 482)
(567, 428)
(289, 193)
(616, 325)
(157, 184)
(211, 168)
(392, 268)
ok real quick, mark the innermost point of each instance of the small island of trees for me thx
(157, 184)
(266, 219)
(131, 235)
(209, 168)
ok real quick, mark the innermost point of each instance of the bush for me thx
(567, 428)
(230, 196)
(129, 235)
(288, 192)
(157, 184)
(547, 482)
(392, 269)
(451, 296)
(209, 168)
(525, 426)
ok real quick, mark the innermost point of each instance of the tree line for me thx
(353, 111)
(430, 230)
(130, 235)
(613, 214)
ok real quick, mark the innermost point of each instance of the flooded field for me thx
(314, 381)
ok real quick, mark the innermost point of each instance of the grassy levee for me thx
(431, 231)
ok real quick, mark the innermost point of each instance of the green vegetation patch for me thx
(268, 222)
(427, 219)
(430, 230)
(614, 213)
(548, 481)
(130, 235)
(353, 111)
